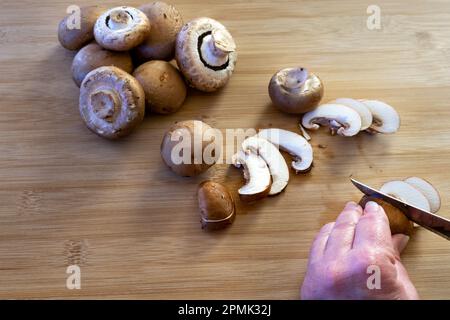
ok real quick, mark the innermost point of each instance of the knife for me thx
(428, 220)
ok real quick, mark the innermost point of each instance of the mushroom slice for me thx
(341, 119)
(112, 102)
(407, 193)
(358, 106)
(121, 28)
(385, 118)
(256, 173)
(428, 191)
(206, 54)
(294, 144)
(274, 160)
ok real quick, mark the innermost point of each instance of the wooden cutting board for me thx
(69, 197)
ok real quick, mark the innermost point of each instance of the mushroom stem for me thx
(294, 79)
(104, 103)
(216, 47)
(119, 19)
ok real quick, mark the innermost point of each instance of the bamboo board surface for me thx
(68, 197)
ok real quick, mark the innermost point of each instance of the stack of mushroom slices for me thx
(347, 117)
(264, 167)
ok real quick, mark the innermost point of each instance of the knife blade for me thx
(428, 220)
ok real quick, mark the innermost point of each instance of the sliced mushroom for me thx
(256, 173)
(217, 208)
(206, 54)
(407, 193)
(294, 144)
(73, 38)
(385, 118)
(121, 28)
(341, 119)
(274, 160)
(94, 56)
(112, 102)
(361, 108)
(295, 90)
(428, 191)
(166, 23)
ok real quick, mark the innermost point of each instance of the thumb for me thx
(399, 241)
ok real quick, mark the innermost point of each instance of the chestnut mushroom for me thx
(164, 87)
(73, 38)
(398, 222)
(185, 145)
(385, 118)
(112, 102)
(206, 54)
(121, 28)
(361, 108)
(166, 22)
(94, 56)
(217, 208)
(295, 90)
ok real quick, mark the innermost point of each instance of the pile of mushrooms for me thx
(141, 42)
(414, 191)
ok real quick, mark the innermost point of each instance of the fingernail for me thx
(371, 207)
(351, 205)
(403, 242)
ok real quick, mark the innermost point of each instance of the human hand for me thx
(347, 254)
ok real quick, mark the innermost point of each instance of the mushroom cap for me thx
(295, 90)
(206, 54)
(361, 108)
(257, 175)
(294, 144)
(74, 39)
(385, 117)
(121, 28)
(112, 102)
(166, 22)
(274, 160)
(94, 56)
(341, 119)
(217, 208)
(164, 87)
(398, 222)
(197, 131)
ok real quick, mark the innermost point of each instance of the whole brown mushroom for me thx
(398, 222)
(184, 145)
(164, 87)
(73, 38)
(112, 102)
(295, 90)
(121, 28)
(206, 54)
(94, 56)
(217, 208)
(166, 23)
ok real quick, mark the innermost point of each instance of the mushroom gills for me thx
(341, 119)
(293, 143)
(427, 190)
(274, 160)
(257, 175)
(385, 117)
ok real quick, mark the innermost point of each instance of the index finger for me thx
(373, 228)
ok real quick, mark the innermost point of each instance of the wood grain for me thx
(69, 197)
